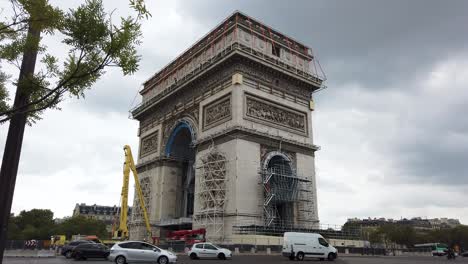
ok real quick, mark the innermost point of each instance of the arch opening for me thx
(180, 148)
(282, 188)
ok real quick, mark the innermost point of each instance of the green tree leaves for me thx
(3, 92)
(408, 236)
(93, 42)
(33, 224)
(81, 225)
(86, 27)
(39, 224)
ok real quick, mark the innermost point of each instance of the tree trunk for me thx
(14, 141)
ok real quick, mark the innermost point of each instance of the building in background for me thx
(226, 138)
(441, 223)
(107, 214)
(61, 220)
(418, 223)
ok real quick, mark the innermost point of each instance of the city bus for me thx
(437, 249)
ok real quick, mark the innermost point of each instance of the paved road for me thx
(255, 259)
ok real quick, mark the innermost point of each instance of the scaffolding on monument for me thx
(281, 184)
(237, 33)
(212, 194)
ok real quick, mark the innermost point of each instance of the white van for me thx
(301, 245)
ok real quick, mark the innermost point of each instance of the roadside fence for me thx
(27, 244)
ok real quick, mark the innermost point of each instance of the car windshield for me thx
(157, 248)
(323, 242)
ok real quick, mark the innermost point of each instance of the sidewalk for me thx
(29, 253)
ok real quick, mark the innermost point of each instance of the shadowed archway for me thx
(280, 190)
(180, 147)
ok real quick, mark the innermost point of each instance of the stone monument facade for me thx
(225, 134)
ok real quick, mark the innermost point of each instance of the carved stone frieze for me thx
(149, 144)
(268, 77)
(272, 114)
(217, 112)
(187, 95)
(256, 72)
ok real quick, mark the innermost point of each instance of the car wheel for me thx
(77, 256)
(300, 256)
(163, 260)
(221, 256)
(120, 260)
(331, 257)
(68, 254)
(193, 256)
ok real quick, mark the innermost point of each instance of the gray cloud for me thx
(376, 43)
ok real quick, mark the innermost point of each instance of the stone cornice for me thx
(248, 131)
(144, 166)
(229, 132)
(236, 21)
(236, 56)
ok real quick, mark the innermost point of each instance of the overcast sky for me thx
(391, 124)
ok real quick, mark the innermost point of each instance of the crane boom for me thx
(129, 164)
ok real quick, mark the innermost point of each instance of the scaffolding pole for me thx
(212, 195)
(281, 185)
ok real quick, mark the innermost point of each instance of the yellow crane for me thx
(129, 164)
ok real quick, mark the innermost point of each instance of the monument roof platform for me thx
(238, 34)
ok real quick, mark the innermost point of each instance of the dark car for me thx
(68, 248)
(464, 254)
(89, 250)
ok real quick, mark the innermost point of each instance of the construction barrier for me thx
(31, 244)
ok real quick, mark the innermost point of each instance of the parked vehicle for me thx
(67, 250)
(208, 250)
(437, 249)
(137, 251)
(301, 245)
(464, 254)
(189, 237)
(96, 239)
(90, 250)
(58, 241)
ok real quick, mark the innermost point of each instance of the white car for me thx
(208, 250)
(141, 252)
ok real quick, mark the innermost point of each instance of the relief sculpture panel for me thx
(149, 144)
(273, 114)
(217, 112)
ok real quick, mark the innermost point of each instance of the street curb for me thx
(280, 255)
(29, 256)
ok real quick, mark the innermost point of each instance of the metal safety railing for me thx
(221, 42)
